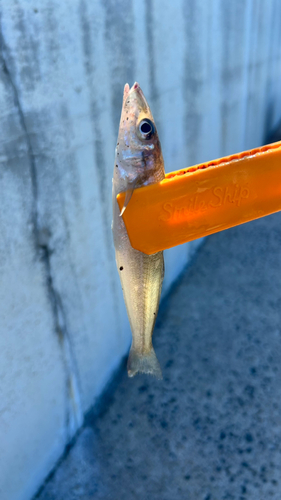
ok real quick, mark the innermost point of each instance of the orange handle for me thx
(204, 199)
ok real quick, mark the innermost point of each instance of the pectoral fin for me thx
(129, 193)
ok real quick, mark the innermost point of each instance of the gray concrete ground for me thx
(211, 430)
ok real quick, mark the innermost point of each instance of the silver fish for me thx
(138, 162)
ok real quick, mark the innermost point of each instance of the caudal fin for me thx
(143, 363)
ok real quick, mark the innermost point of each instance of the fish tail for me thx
(143, 363)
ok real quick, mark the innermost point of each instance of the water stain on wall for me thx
(28, 42)
(120, 43)
(192, 80)
(88, 36)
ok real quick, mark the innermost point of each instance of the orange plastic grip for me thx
(204, 199)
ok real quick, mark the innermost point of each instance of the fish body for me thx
(138, 162)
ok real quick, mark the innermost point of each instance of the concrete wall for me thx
(212, 74)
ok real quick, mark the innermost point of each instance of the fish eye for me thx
(146, 128)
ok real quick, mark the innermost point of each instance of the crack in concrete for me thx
(74, 412)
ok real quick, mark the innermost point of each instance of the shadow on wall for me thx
(274, 136)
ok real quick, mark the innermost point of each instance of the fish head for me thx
(138, 150)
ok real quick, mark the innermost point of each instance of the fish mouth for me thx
(136, 92)
(136, 86)
(135, 89)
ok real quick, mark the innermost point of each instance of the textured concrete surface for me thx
(211, 430)
(32, 379)
(211, 72)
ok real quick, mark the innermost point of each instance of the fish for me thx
(138, 162)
